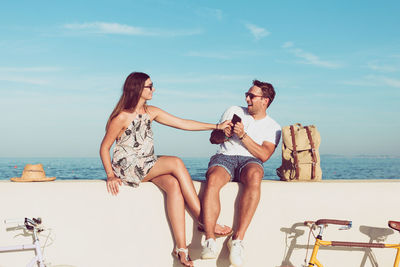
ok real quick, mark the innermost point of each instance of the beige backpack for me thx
(300, 155)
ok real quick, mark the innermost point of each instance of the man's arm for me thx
(262, 152)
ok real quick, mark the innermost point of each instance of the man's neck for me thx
(259, 116)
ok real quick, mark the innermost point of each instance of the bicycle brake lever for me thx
(37, 220)
(346, 227)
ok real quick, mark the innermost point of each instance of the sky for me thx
(334, 64)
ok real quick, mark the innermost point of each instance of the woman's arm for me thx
(112, 133)
(165, 118)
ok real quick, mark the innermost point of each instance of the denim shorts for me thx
(233, 164)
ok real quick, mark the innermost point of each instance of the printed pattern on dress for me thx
(133, 155)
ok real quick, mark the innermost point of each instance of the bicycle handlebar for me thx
(19, 221)
(329, 221)
(24, 221)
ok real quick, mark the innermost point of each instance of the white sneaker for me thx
(236, 255)
(209, 249)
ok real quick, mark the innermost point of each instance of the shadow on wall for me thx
(376, 235)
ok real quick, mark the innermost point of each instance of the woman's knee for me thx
(172, 186)
(176, 162)
(168, 183)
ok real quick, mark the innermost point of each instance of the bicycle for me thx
(323, 223)
(33, 226)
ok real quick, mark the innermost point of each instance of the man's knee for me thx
(217, 177)
(252, 175)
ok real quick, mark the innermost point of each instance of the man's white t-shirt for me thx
(265, 129)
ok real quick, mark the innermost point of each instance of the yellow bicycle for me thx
(323, 223)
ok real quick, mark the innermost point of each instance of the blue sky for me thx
(334, 64)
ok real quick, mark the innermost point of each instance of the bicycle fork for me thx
(313, 260)
(38, 259)
(39, 256)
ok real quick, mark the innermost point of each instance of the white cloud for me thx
(197, 95)
(226, 54)
(287, 45)
(382, 68)
(391, 82)
(107, 28)
(256, 31)
(23, 80)
(374, 81)
(214, 55)
(121, 29)
(211, 13)
(21, 74)
(200, 78)
(30, 69)
(309, 58)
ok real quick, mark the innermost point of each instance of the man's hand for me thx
(239, 129)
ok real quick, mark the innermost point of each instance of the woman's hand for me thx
(228, 131)
(113, 184)
(224, 125)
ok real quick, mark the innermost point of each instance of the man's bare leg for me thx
(217, 177)
(251, 177)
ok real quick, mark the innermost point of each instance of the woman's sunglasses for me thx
(151, 86)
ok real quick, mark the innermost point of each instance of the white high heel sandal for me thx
(176, 254)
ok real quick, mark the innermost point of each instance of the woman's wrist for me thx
(243, 136)
(110, 174)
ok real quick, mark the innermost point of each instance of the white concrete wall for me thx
(92, 228)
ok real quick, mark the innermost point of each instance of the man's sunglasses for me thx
(251, 95)
(151, 86)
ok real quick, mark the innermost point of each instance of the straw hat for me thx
(33, 173)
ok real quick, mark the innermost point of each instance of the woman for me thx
(134, 160)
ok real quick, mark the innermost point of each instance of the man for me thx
(244, 146)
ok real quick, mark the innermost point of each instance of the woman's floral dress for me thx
(133, 155)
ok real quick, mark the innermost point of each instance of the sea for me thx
(334, 167)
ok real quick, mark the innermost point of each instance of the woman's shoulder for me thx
(123, 117)
(153, 111)
(151, 108)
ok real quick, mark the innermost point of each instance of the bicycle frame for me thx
(38, 259)
(319, 242)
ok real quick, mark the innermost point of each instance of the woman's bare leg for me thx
(174, 166)
(176, 211)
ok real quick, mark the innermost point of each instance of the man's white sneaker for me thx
(236, 255)
(209, 249)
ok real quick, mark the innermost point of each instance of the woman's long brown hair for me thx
(131, 93)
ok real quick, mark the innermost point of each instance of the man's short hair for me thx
(268, 90)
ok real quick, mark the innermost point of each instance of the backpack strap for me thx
(314, 158)
(296, 159)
